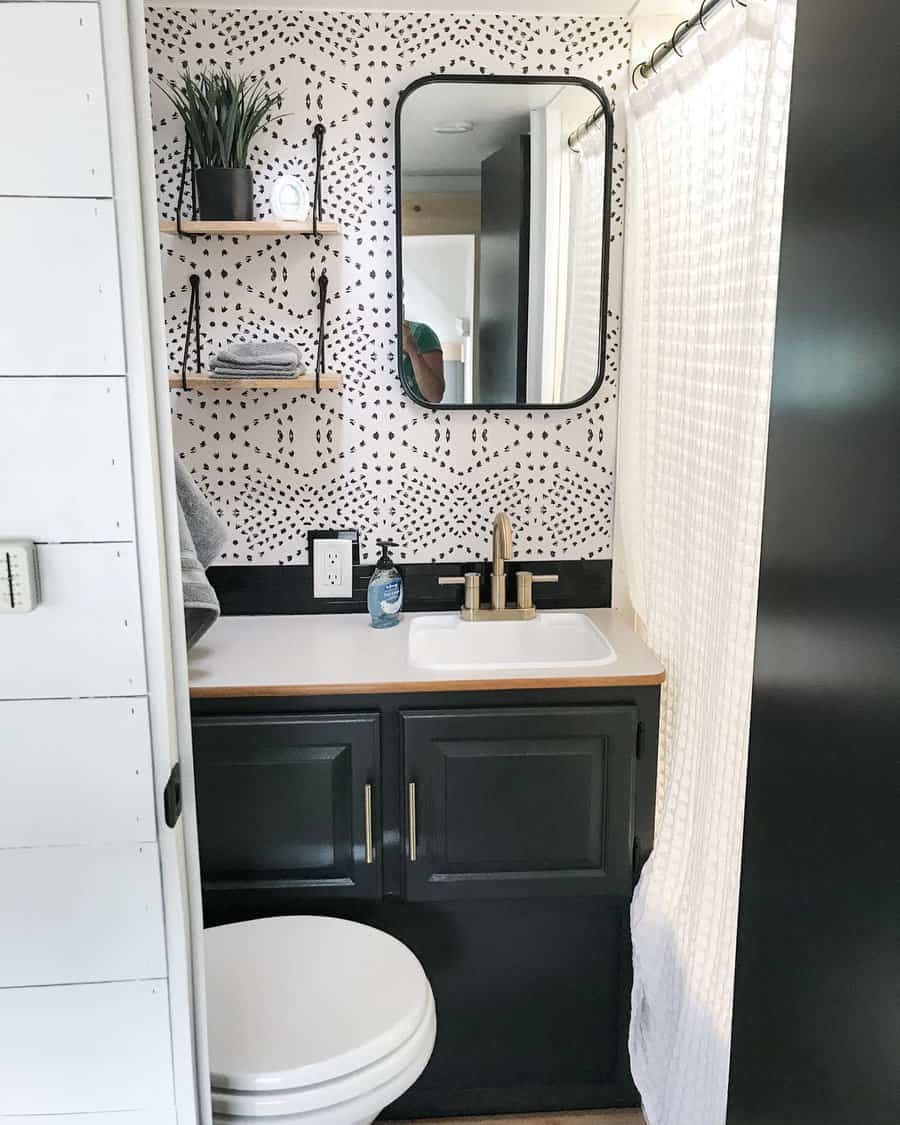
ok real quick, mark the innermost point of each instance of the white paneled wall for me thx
(95, 975)
(59, 286)
(106, 740)
(85, 1049)
(107, 902)
(85, 637)
(57, 483)
(62, 101)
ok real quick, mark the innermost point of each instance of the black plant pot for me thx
(225, 193)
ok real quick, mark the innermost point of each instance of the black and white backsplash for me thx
(277, 463)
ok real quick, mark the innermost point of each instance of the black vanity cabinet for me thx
(507, 831)
(289, 802)
(514, 802)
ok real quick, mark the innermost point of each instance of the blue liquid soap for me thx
(385, 594)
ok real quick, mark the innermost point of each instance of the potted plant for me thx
(222, 113)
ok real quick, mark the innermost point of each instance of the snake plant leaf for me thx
(222, 113)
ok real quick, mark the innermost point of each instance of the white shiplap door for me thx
(97, 895)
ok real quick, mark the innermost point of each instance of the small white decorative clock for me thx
(290, 199)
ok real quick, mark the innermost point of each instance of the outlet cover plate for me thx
(332, 568)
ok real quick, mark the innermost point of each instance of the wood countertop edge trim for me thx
(249, 691)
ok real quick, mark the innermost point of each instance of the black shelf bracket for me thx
(317, 212)
(186, 160)
(193, 321)
(320, 351)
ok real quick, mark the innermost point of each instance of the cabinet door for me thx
(520, 801)
(289, 802)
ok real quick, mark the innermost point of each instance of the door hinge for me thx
(172, 796)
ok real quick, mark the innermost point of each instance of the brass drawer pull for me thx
(370, 851)
(412, 822)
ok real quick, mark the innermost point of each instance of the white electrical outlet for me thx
(332, 568)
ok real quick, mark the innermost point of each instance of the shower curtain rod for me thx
(648, 68)
(578, 135)
(659, 52)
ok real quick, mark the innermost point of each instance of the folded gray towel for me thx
(261, 353)
(202, 536)
(232, 371)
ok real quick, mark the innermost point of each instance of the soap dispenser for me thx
(385, 590)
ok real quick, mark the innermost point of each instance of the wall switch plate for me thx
(332, 568)
(20, 589)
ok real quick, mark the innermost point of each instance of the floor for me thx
(586, 1117)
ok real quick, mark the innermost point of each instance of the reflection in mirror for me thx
(503, 231)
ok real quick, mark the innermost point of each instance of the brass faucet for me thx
(502, 554)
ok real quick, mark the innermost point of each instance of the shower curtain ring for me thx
(676, 38)
(658, 47)
(639, 68)
(700, 15)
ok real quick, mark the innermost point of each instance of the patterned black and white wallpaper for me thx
(277, 463)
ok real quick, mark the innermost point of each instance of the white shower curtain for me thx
(706, 148)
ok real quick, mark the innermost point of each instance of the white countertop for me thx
(341, 654)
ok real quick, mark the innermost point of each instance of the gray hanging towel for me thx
(202, 535)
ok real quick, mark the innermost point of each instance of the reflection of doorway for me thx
(439, 283)
(503, 283)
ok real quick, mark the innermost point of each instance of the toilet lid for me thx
(294, 1001)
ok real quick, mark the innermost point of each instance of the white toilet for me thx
(312, 1021)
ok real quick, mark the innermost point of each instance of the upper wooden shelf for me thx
(257, 226)
(305, 382)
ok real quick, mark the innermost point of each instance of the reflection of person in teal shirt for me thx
(423, 361)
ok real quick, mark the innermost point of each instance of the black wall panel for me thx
(816, 1036)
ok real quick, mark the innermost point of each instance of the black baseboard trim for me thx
(266, 590)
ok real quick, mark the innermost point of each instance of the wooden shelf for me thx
(304, 382)
(256, 227)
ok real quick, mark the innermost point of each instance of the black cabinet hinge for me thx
(639, 741)
(172, 796)
(636, 864)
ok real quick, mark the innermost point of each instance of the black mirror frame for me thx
(521, 80)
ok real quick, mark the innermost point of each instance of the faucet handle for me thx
(472, 582)
(524, 582)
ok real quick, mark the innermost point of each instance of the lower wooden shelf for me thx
(329, 381)
(253, 226)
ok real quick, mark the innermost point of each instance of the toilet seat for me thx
(342, 1100)
(313, 1019)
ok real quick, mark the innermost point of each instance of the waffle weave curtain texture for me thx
(706, 144)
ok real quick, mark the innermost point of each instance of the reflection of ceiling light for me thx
(454, 127)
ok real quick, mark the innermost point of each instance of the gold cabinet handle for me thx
(412, 821)
(367, 798)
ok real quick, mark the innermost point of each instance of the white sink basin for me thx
(446, 643)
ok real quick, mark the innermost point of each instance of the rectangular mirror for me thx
(503, 240)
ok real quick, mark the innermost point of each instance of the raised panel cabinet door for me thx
(522, 801)
(289, 802)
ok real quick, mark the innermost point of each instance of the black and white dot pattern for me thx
(277, 463)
